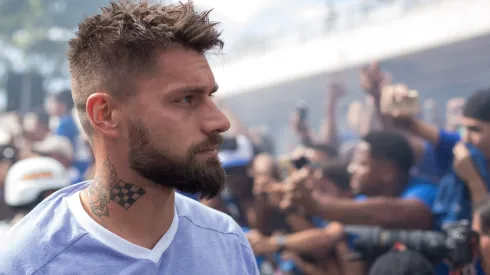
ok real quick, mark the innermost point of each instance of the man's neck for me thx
(129, 205)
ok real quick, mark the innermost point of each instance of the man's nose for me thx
(214, 121)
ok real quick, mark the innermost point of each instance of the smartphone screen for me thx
(301, 162)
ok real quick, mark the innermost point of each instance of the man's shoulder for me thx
(41, 236)
(202, 217)
(215, 232)
(447, 139)
(422, 190)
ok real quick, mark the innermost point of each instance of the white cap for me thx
(54, 145)
(239, 157)
(28, 178)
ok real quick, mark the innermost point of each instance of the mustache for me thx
(211, 141)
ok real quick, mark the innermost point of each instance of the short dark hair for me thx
(336, 171)
(120, 43)
(402, 263)
(391, 146)
(478, 106)
(482, 209)
(325, 148)
(65, 97)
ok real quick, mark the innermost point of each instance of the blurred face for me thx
(476, 133)
(174, 125)
(35, 130)
(264, 165)
(54, 107)
(366, 173)
(484, 245)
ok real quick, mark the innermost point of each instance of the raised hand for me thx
(373, 79)
(463, 163)
(298, 195)
(336, 90)
(399, 102)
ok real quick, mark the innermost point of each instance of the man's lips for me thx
(214, 148)
(211, 151)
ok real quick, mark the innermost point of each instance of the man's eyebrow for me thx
(197, 89)
(473, 127)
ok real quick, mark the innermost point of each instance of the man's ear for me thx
(103, 114)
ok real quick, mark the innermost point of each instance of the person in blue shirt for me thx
(61, 105)
(460, 157)
(143, 87)
(386, 194)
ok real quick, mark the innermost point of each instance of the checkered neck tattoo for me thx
(126, 194)
(123, 193)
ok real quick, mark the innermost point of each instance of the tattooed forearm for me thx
(123, 193)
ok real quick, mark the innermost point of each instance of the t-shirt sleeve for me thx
(426, 193)
(444, 149)
(427, 166)
(250, 261)
(248, 258)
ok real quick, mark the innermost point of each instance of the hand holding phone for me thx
(300, 162)
(400, 102)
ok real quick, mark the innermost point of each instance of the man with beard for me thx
(142, 87)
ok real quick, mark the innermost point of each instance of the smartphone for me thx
(301, 162)
(302, 110)
(409, 105)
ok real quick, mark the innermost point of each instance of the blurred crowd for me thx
(336, 204)
(40, 151)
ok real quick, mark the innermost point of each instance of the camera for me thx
(453, 245)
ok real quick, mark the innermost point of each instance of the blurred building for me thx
(440, 48)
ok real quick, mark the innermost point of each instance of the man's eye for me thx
(188, 99)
